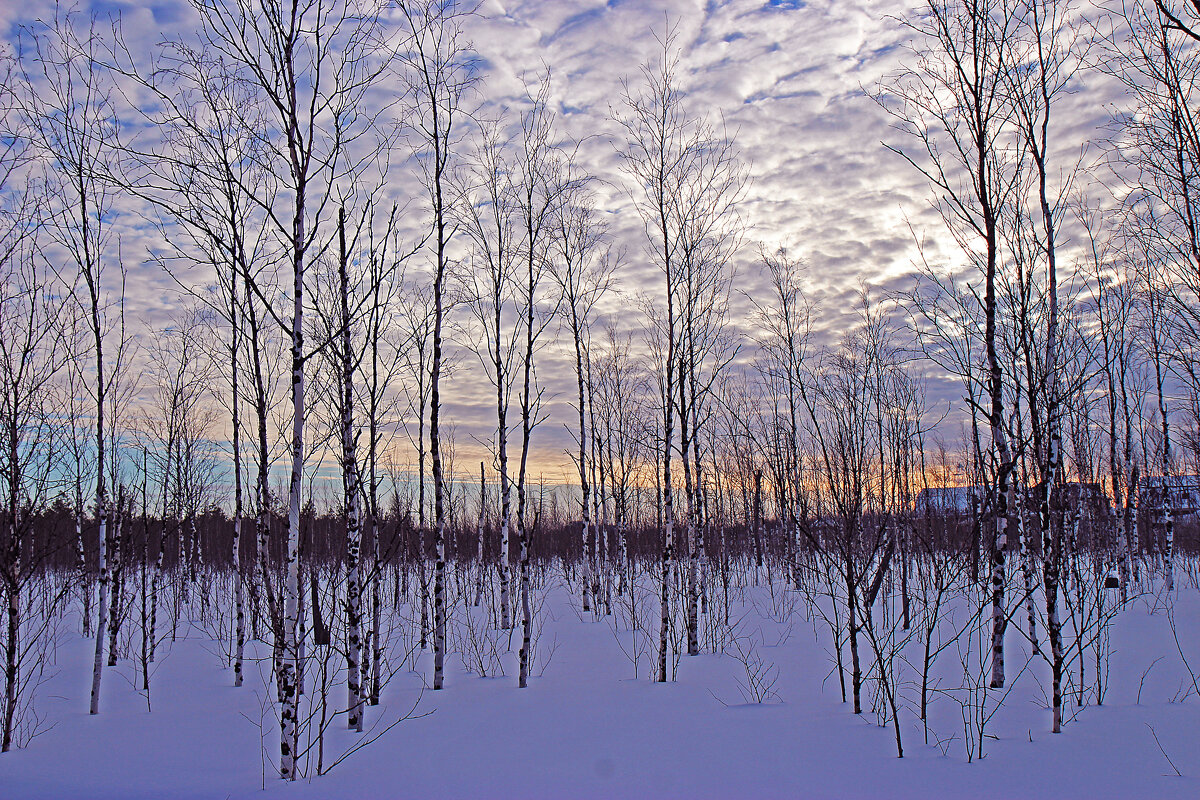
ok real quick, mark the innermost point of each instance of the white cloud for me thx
(792, 79)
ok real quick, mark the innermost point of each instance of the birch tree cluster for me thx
(359, 252)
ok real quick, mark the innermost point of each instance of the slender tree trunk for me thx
(354, 645)
(668, 551)
(376, 642)
(85, 580)
(12, 591)
(117, 574)
(1168, 520)
(145, 561)
(584, 518)
(435, 407)
(1000, 499)
(525, 656)
(852, 627)
(505, 566)
(756, 523)
(101, 506)
(289, 673)
(479, 565)
(238, 589)
(692, 606)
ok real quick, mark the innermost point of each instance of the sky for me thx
(792, 81)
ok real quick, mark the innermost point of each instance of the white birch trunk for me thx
(505, 541)
(101, 608)
(584, 508)
(1026, 558)
(115, 589)
(290, 666)
(350, 479)
(101, 507)
(238, 589)
(479, 538)
(376, 601)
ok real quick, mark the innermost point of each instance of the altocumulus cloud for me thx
(791, 79)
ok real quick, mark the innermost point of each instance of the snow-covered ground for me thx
(587, 728)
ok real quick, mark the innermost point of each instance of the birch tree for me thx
(583, 271)
(711, 234)
(1154, 55)
(953, 107)
(543, 180)
(787, 323)
(352, 486)
(437, 63)
(658, 140)
(312, 65)
(73, 127)
(34, 350)
(1051, 51)
(686, 182)
(490, 222)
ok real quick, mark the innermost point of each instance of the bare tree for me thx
(1054, 49)
(686, 179)
(1158, 157)
(711, 233)
(953, 104)
(846, 408)
(491, 223)
(583, 270)
(620, 394)
(315, 129)
(438, 71)
(34, 349)
(73, 128)
(786, 321)
(542, 183)
(177, 427)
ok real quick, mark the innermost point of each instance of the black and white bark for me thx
(658, 140)
(72, 126)
(542, 183)
(953, 105)
(439, 77)
(583, 271)
(491, 223)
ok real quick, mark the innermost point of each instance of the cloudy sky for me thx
(792, 79)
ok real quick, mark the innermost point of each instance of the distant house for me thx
(1180, 493)
(948, 500)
